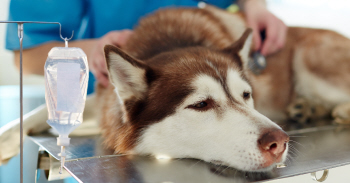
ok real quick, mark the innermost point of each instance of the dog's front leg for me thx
(302, 111)
(341, 113)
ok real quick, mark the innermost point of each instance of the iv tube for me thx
(63, 141)
(61, 138)
(66, 78)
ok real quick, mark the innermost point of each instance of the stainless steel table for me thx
(312, 149)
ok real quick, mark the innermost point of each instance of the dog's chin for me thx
(259, 169)
(219, 164)
(271, 166)
(265, 169)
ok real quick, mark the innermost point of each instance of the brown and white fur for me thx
(181, 88)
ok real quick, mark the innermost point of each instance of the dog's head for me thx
(195, 103)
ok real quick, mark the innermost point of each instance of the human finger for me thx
(119, 38)
(256, 39)
(282, 36)
(124, 37)
(256, 35)
(102, 79)
(92, 67)
(100, 76)
(269, 45)
(101, 65)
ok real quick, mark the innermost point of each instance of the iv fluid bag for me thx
(66, 79)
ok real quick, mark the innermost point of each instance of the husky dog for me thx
(182, 89)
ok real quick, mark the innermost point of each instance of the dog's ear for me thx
(241, 47)
(126, 73)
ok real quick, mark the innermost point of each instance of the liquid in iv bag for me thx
(66, 79)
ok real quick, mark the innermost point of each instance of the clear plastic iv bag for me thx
(66, 79)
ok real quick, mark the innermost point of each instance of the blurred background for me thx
(327, 14)
(9, 79)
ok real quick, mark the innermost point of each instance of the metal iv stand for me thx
(20, 36)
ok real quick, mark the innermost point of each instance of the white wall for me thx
(9, 74)
(326, 14)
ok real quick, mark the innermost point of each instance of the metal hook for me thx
(65, 39)
(37, 22)
(323, 178)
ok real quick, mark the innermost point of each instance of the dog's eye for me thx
(200, 105)
(246, 95)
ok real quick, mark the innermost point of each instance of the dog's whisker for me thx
(297, 143)
(235, 174)
(294, 148)
(291, 149)
(195, 164)
(287, 160)
(222, 172)
(293, 153)
(290, 158)
(296, 151)
(295, 136)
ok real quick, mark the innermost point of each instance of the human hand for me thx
(97, 61)
(259, 18)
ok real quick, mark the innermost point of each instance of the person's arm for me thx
(34, 58)
(96, 57)
(260, 18)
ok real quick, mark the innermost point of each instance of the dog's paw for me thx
(341, 113)
(302, 111)
(299, 110)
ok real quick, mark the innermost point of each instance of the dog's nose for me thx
(274, 142)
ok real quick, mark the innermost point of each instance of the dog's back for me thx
(170, 29)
